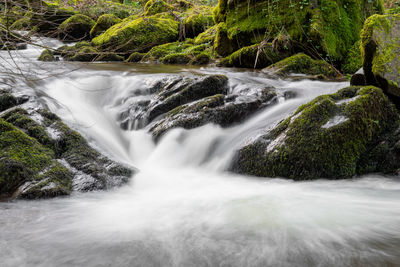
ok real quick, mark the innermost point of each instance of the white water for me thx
(182, 209)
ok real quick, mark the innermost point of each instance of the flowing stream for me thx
(183, 208)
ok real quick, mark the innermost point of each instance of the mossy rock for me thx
(301, 64)
(7, 101)
(103, 23)
(48, 18)
(153, 7)
(201, 59)
(199, 18)
(330, 27)
(222, 44)
(76, 28)
(160, 51)
(46, 55)
(380, 49)
(195, 90)
(54, 182)
(325, 138)
(20, 157)
(135, 57)
(138, 35)
(206, 37)
(255, 56)
(178, 58)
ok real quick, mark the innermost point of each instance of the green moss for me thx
(199, 18)
(46, 55)
(178, 58)
(160, 51)
(207, 36)
(305, 146)
(201, 59)
(353, 61)
(103, 23)
(328, 27)
(135, 57)
(156, 6)
(301, 63)
(7, 101)
(222, 44)
(246, 57)
(76, 27)
(138, 35)
(18, 146)
(379, 50)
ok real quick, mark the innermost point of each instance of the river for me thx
(183, 208)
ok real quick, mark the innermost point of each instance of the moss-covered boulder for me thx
(138, 35)
(206, 37)
(301, 64)
(199, 19)
(103, 23)
(153, 7)
(255, 56)
(46, 55)
(178, 58)
(42, 157)
(329, 27)
(380, 42)
(135, 57)
(201, 59)
(223, 46)
(76, 28)
(325, 138)
(22, 24)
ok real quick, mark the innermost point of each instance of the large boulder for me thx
(103, 23)
(329, 27)
(138, 35)
(76, 28)
(40, 157)
(218, 109)
(380, 52)
(325, 138)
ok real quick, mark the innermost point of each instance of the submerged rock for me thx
(325, 138)
(380, 50)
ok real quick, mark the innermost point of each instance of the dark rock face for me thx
(169, 99)
(218, 109)
(177, 101)
(329, 137)
(380, 43)
(42, 157)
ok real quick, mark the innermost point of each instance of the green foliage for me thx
(353, 61)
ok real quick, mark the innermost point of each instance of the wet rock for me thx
(218, 109)
(42, 157)
(358, 78)
(325, 138)
(380, 45)
(46, 55)
(203, 87)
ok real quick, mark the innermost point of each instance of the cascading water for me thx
(182, 208)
